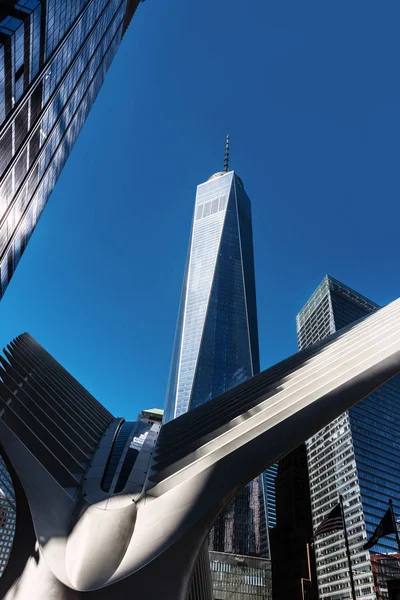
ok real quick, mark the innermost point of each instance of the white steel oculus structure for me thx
(78, 536)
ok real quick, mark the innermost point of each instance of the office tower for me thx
(216, 340)
(357, 455)
(54, 55)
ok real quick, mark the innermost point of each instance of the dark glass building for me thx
(54, 55)
(357, 456)
(293, 565)
(216, 340)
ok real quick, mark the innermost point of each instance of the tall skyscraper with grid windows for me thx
(216, 340)
(357, 456)
(54, 55)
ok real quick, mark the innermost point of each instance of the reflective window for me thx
(356, 455)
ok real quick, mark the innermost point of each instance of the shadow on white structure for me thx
(100, 518)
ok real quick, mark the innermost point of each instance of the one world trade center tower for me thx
(216, 339)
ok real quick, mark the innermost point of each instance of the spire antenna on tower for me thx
(226, 160)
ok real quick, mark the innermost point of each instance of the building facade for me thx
(240, 577)
(386, 568)
(216, 340)
(357, 456)
(54, 55)
(293, 564)
(7, 515)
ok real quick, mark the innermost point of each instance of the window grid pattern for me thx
(60, 16)
(37, 132)
(356, 455)
(236, 577)
(7, 515)
(269, 477)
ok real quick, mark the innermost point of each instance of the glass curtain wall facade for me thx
(357, 456)
(54, 55)
(7, 515)
(216, 340)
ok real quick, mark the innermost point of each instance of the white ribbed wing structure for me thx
(198, 462)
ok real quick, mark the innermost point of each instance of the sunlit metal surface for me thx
(58, 440)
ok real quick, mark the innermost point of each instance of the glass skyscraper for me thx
(54, 55)
(357, 456)
(216, 340)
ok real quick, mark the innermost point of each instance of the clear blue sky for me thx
(310, 94)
